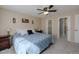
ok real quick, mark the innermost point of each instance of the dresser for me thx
(4, 42)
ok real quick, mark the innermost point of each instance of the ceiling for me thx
(31, 9)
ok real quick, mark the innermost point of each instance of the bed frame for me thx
(46, 48)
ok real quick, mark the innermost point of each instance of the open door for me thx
(64, 27)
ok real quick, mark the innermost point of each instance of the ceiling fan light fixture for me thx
(45, 13)
(47, 10)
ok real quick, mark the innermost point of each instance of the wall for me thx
(7, 24)
(43, 25)
(55, 23)
(38, 24)
(72, 21)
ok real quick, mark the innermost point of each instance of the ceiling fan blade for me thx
(41, 13)
(50, 6)
(52, 10)
(40, 9)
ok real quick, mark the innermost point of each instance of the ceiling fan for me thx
(46, 10)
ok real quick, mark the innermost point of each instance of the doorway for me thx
(50, 27)
(63, 27)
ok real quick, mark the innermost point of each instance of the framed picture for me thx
(14, 20)
(24, 20)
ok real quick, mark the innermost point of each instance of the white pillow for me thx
(33, 31)
(22, 32)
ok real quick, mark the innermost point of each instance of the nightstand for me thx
(39, 31)
(4, 42)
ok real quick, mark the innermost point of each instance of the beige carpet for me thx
(61, 46)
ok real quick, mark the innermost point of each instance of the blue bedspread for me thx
(34, 43)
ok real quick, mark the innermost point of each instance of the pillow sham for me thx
(30, 32)
(22, 32)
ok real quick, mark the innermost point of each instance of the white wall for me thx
(7, 24)
(72, 21)
(55, 23)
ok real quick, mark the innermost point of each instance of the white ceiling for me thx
(31, 9)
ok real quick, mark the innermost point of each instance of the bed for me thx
(31, 44)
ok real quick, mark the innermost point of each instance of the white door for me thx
(77, 29)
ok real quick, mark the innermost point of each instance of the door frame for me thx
(68, 26)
